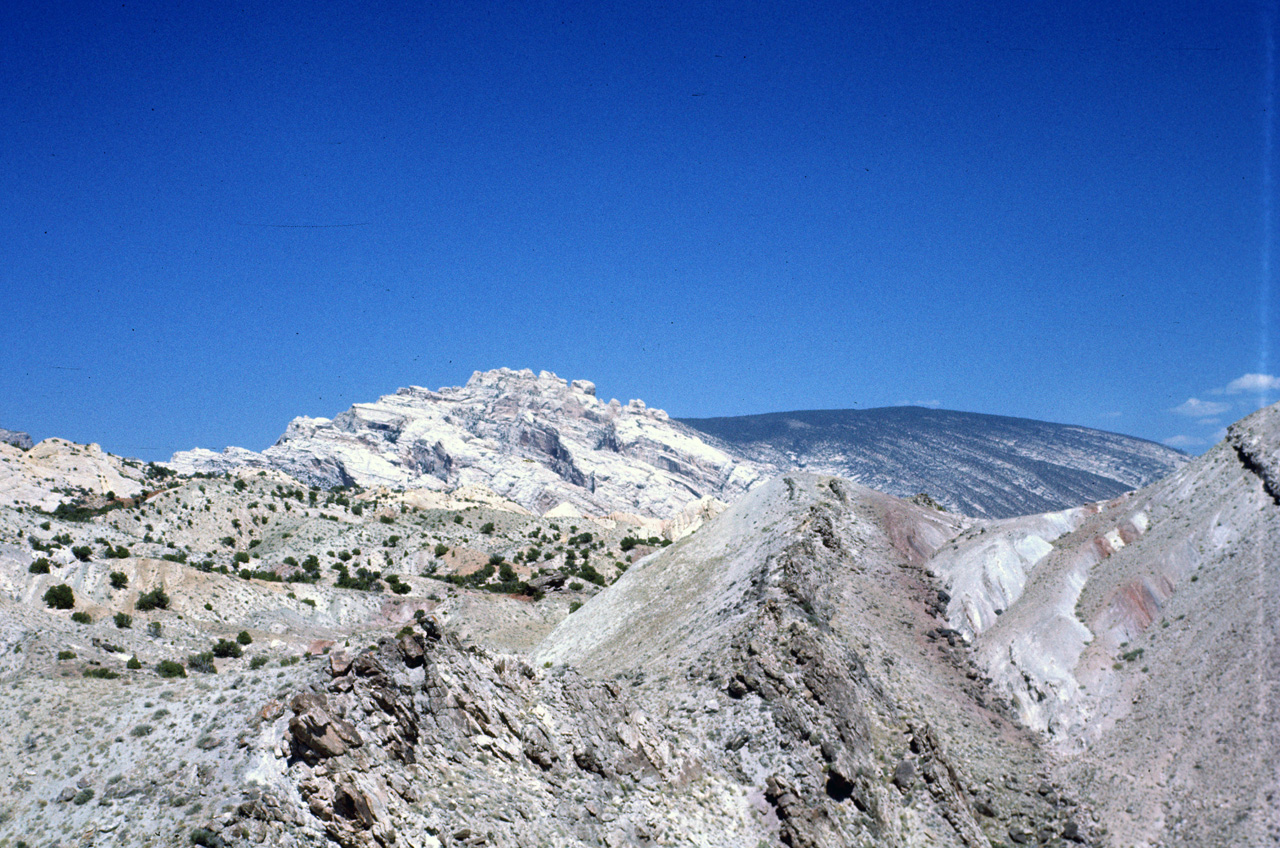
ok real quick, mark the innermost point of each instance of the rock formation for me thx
(990, 466)
(537, 440)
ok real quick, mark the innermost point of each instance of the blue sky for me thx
(220, 217)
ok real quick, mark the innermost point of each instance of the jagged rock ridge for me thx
(537, 440)
(983, 465)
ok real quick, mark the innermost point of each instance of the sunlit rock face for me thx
(537, 440)
(1139, 635)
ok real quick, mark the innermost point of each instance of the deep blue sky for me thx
(217, 217)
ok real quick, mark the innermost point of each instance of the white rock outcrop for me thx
(534, 439)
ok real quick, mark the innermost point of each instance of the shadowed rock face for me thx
(983, 465)
(19, 440)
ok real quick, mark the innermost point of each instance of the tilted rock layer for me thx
(537, 440)
(991, 466)
(543, 442)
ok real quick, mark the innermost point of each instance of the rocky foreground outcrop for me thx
(752, 684)
(537, 440)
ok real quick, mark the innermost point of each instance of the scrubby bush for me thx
(155, 599)
(244, 638)
(134, 663)
(153, 629)
(241, 557)
(60, 597)
(170, 668)
(101, 673)
(66, 655)
(257, 662)
(441, 550)
(206, 838)
(40, 566)
(81, 617)
(203, 662)
(118, 579)
(487, 528)
(226, 649)
(123, 620)
(82, 552)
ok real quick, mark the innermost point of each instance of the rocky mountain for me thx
(990, 466)
(537, 440)
(246, 659)
(542, 442)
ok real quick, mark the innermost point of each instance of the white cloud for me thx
(1182, 441)
(932, 404)
(1195, 408)
(1251, 383)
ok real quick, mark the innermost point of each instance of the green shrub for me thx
(82, 552)
(60, 597)
(227, 649)
(119, 580)
(101, 673)
(206, 838)
(441, 550)
(574, 606)
(134, 663)
(155, 599)
(203, 662)
(40, 566)
(153, 629)
(487, 528)
(241, 557)
(81, 617)
(244, 638)
(257, 662)
(141, 730)
(84, 796)
(123, 620)
(170, 668)
(66, 655)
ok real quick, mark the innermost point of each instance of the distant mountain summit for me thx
(535, 439)
(982, 465)
(543, 442)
